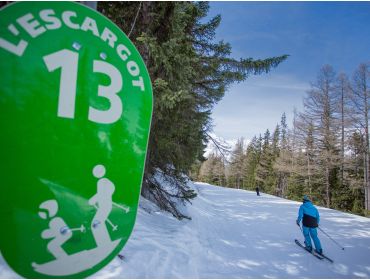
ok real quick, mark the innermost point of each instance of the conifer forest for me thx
(324, 152)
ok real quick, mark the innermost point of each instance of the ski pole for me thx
(300, 228)
(124, 208)
(66, 229)
(331, 238)
(81, 228)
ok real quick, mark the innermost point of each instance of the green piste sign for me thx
(76, 105)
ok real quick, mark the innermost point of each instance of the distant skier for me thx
(310, 219)
(258, 191)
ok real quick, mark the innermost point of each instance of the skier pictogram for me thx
(60, 233)
(58, 230)
(102, 201)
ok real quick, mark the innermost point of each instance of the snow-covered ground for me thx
(235, 234)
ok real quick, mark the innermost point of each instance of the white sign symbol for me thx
(60, 233)
(102, 201)
(67, 60)
(54, 232)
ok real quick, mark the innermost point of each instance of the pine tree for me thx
(356, 171)
(361, 100)
(284, 132)
(320, 108)
(265, 176)
(342, 194)
(251, 160)
(235, 176)
(282, 157)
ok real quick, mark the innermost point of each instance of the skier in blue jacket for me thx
(310, 218)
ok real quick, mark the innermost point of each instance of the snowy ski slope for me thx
(235, 234)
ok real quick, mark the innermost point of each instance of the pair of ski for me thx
(315, 254)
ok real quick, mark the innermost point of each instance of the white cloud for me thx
(251, 107)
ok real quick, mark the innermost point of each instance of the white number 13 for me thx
(68, 62)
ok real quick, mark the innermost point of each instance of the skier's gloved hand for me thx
(297, 222)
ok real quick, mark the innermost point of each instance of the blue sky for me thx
(312, 33)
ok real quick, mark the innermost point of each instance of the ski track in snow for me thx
(235, 234)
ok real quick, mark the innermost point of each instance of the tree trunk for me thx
(327, 184)
(342, 140)
(366, 179)
(308, 172)
(367, 183)
(367, 186)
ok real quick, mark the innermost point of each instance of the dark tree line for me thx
(325, 153)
